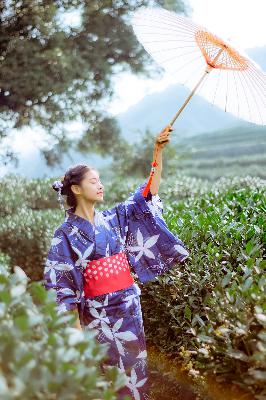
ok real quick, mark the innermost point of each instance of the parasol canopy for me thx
(202, 61)
(207, 64)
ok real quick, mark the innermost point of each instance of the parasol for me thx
(208, 65)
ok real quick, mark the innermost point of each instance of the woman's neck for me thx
(86, 212)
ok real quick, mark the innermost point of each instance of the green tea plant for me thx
(210, 312)
(41, 355)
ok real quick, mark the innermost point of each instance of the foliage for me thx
(41, 355)
(30, 231)
(210, 312)
(54, 72)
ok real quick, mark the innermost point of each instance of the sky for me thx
(241, 21)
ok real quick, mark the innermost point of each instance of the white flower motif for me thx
(113, 334)
(83, 258)
(55, 241)
(142, 356)
(107, 250)
(100, 319)
(134, 384)
(156, 206)
(121, 368)
(142, 247)
(108, 217)
(97, 304)
(68, 291)
(129, 300)
(51, 266)
(121, 365)
(103, 220)
(129, 200)
(74, 230)
(181, 249)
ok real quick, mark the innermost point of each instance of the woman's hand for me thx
(163, 137)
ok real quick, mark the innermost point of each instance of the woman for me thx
(89, 260)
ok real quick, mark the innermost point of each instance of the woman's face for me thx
(91, 187)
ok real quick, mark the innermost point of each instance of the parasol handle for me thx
(208, 69)
(154, 162)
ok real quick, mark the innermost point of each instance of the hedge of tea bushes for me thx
(17, 192)
(29, 214)
(25, 236)
(211, 312)
(37, 194)
(26, 229)
(41, 355)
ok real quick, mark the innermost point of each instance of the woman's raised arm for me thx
(161, 140)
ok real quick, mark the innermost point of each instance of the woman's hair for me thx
(73, 176)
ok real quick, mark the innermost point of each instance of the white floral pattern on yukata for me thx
(117, 319)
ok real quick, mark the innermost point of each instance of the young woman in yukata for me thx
(88, 264)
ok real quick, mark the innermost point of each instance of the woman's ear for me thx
(75, 189)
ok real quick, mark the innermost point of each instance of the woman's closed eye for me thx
(94, 180)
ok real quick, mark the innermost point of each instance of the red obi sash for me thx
(107, 274)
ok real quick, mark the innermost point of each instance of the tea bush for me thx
(210, 312)
(24, 237)
(41, 355)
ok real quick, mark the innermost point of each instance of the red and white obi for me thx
(107, 274)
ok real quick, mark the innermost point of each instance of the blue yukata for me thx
(136, 227)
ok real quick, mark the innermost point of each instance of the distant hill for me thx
(156, 110)
(234, 151)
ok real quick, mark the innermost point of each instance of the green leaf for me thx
(187, 312)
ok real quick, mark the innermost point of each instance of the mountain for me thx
(155, 111)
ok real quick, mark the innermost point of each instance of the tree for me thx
(53, 73)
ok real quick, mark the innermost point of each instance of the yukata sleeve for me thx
(60, 274)
(152, 204)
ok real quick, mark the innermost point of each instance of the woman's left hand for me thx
(163, 137)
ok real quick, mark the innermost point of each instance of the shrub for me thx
(41, 355)
(210, 312)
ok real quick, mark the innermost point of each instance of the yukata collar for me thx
(81, 223)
